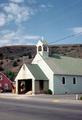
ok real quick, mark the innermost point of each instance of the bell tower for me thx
(42, 48)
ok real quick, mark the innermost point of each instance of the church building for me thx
(60, 74)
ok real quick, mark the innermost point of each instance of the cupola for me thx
(42, 48)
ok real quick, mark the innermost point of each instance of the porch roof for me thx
(36, 72)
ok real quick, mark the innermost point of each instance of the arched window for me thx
(74, 80)
(45, 48)
(39, 48)
(63, 80)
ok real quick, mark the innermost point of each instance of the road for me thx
(11, 109)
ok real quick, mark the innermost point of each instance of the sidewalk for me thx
(44, 98)
(13, 96)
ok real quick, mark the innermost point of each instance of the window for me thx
(41, 84)
(63, 80)
(45, 48)
(0, 77)
(0, 85)
(74, 80)
(39, 48)
(5, 86)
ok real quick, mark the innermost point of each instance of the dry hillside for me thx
(12, 57)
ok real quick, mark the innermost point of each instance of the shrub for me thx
(18, 60)
(49, 92)
(1, 68)
(11, 58)
(81, 98)
(1, 62)
(15, 64)
(10, 75)
(1, 56)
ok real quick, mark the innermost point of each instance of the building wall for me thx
(37, 86)
(45, 68)
(46, 85)
(24, 73)
(5, 83)
(68, 87)
(37, 90)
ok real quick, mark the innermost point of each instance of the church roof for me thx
(64, 65)
(37, 72)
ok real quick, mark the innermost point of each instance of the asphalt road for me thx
(11, 109)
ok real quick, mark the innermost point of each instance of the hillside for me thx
(67, 50)
(12, 57)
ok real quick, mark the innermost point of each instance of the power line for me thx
(66, 37)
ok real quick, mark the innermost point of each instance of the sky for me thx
(24, 22)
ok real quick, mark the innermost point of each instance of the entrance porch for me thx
(35, 86)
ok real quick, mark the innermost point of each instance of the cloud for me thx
(17, 13)
(77, 30)
(16, 38)
(31, 2)
(2, 19)
(7, 36)
(17, 1)
(31, 37)
(46, 6)
(43, 6)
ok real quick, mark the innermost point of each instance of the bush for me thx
(49, 92)
(1, 62)
(1, 68)
(15, 64)
(11, 58)
(1, 56)
(10, 75)
(81, 98)
(18, 60)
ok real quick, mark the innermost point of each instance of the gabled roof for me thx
(5, 77)
(36, 72)
(64, 65)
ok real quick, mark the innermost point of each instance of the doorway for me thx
(41, 86)
(24, 86)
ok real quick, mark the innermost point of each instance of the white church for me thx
(60, 74)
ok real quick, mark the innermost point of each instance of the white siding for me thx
(68, 87)
(24, 73)
(45, 68)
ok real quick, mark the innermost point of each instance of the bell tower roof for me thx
(42, 42)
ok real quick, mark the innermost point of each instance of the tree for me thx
(1, 62)
(15, 64)
(1, 68)
(30, 55)
(1, 56)
(10, 75)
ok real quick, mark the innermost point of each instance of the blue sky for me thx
(27, 21)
